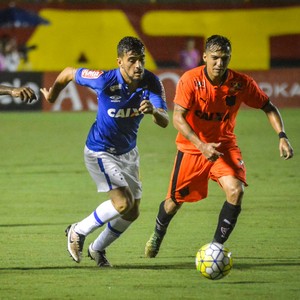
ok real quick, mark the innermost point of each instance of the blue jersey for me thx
(118, 117)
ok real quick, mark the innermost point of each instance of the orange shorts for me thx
(191, 172)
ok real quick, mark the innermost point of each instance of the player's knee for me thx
(235, 194)
(123, 205)
(171, 207)
(122, 200)
(132, 214)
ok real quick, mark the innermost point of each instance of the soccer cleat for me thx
(153, 245)
(75, 243)
(99, 257)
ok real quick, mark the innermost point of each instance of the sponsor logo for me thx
(241, 162)
(111, 150)
(224, 231)
(91, 74)
(123, 112)
(212, 116)
(200, 84)
(115, 98)
(281, 89)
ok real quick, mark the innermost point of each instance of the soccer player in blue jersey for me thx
(125, 95)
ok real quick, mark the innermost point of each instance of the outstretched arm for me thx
(67, 75)
(275, 119)
(26, 94)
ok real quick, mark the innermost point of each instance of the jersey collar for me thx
(223, 78)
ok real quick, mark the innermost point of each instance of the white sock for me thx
(102, 214)
(112, 231)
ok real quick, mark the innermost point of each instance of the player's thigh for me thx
(111, 172)
(131, 171)
(105, 169)
(189, 178)
(230, 172)
(230, 164)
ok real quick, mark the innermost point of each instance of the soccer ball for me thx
(213, 261)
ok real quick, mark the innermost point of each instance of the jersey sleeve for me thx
(255, 97)
(157, 95)
(89, 78)
(184, 92)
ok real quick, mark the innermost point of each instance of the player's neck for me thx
(216, 80)
(132, 84)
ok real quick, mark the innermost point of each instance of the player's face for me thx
(132, 66)
(216, 63)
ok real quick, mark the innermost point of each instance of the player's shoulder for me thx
(148, 75)
(191, 74)
(241, 76)
(150, 79)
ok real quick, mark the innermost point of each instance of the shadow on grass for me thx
(31, 225)
(119, 267)
(271, 263)
(258, 262)
(45, 268)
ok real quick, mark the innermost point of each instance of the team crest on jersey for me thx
(91, 74)
(235, 86)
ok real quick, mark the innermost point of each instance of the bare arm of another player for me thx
(273, 114)
(26, 94)
(62, 80)
(180, 123)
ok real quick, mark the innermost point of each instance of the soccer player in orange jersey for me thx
(206, 104)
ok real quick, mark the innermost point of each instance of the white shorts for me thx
(111, 171)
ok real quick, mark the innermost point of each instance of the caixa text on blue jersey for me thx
(129, 112)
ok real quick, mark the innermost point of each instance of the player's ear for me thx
(204, 57)
(119, 62)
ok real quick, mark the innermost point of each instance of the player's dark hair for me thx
(130, 43)
(217, 42)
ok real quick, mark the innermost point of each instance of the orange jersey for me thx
(213, 109)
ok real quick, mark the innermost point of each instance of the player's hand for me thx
(210, 152)
(285, 149)
(46, 94)
(26, 94)
(146, 107)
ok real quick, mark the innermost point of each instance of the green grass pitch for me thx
(45, 186)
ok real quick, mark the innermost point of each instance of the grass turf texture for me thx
(45, 187)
